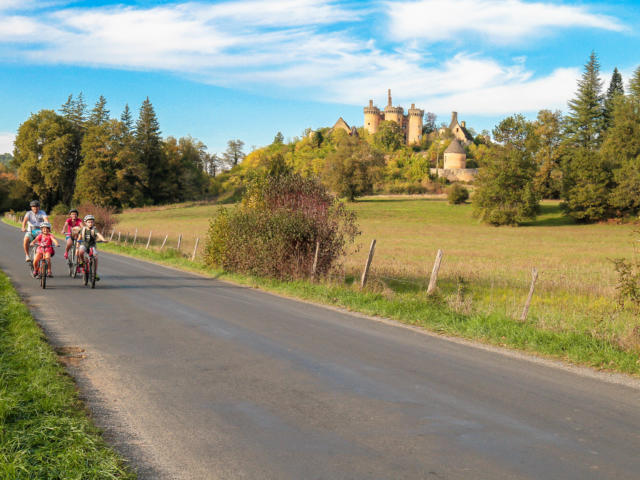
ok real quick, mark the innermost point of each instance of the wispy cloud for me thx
(309, 48)
(6, 142)
(497, 20)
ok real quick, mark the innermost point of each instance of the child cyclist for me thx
(45, 243)
(71, 226)
(87, 239)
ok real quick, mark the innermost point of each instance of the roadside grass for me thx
(434, 313)
(44, 429)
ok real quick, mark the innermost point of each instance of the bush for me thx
(273, 232)
(106, 218)
(457, 194)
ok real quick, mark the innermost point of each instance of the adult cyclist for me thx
(31, 223)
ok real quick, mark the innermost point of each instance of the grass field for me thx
(44, 429)
(485, 269)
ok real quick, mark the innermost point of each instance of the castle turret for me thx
(454, 156)
(394, 114)
(414, 131)
(371, 118)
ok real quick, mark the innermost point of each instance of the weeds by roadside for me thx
(44, 429)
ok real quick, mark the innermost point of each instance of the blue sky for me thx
(248, 69)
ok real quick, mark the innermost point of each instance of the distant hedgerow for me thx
(275, 229)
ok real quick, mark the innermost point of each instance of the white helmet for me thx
(89, 217)
(45, 225)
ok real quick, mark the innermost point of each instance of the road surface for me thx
(195, 378)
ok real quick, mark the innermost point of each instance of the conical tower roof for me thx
(454, 147)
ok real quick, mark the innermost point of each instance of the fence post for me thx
(365, 274)
(534, 277)
(112, 232)
(315, 260)
(164, 241)
(126, 237)
(179, 241)
(135, 237)
(119, 233)
(148, 240)
(434, 273)
(195, 249)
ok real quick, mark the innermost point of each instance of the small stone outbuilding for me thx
(455, 158)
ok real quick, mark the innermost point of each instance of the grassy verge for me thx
(44, 429)
(433, 313)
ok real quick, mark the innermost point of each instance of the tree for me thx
(615, 90)
(126, 118)
(75, 112)
(148, 147)
(234, 154)
(111, 173)
(634, 84)
(516, 132)
(186, 162)
(213, 163)
(44, 156)
(548, 153)
(99, 114)
(505, 193)
(279, 138)
(353, 168)
(585, 121)
(389, 136)
(429, 123)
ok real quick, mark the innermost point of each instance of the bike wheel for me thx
(92, 270)
(85, 273)
(43, 269)
(32, 255)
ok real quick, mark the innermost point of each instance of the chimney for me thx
(370, 103)
(464, 124)
(389, 94)
(413, 106)
(454, 117)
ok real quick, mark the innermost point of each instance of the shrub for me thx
(274, 230)
(457, 194)
(106, 218)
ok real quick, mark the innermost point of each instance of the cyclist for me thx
(45, 241)
(87, 239)
(70, 229)
(34, 218)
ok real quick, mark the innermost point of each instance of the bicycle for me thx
(72, 259)
(32, 250)
(43, 269)
(89, 269)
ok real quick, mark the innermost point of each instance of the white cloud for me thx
(498, 20)
(6, 142)
(300, 47)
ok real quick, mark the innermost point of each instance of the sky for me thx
(248, 69)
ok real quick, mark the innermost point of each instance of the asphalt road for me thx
(195, 378)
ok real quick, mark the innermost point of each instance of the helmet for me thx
(73, 210)
(34, 203)
(45, 225)
(89, 217)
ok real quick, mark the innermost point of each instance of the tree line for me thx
(77, 155)
(589, 158)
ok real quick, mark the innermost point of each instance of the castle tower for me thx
(394, 114)
(414, 131)
(454, 156)
(371, 118)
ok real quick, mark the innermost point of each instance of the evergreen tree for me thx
(585, 121)
(548, 153)
(99, 114)
(148, 146)
(234, 154)
(634, 85)
(279, 138)
(587, 183)
(75, 112)
(615, 90)
(126, 118)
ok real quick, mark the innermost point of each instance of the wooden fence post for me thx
(164, 241)
(135, 237)
(119, 233)
(315, 260)
(126, 237)
(195, 249)
(525, 311)
(148, 240)
(434, 273)
(365, 274)
(113, 230)
(179, 241)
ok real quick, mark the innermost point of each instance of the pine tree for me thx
(148, 145)
(99, 114)
(126, 118)
(634, 85)
(585, 121)
(234, 154)
(615, 90)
